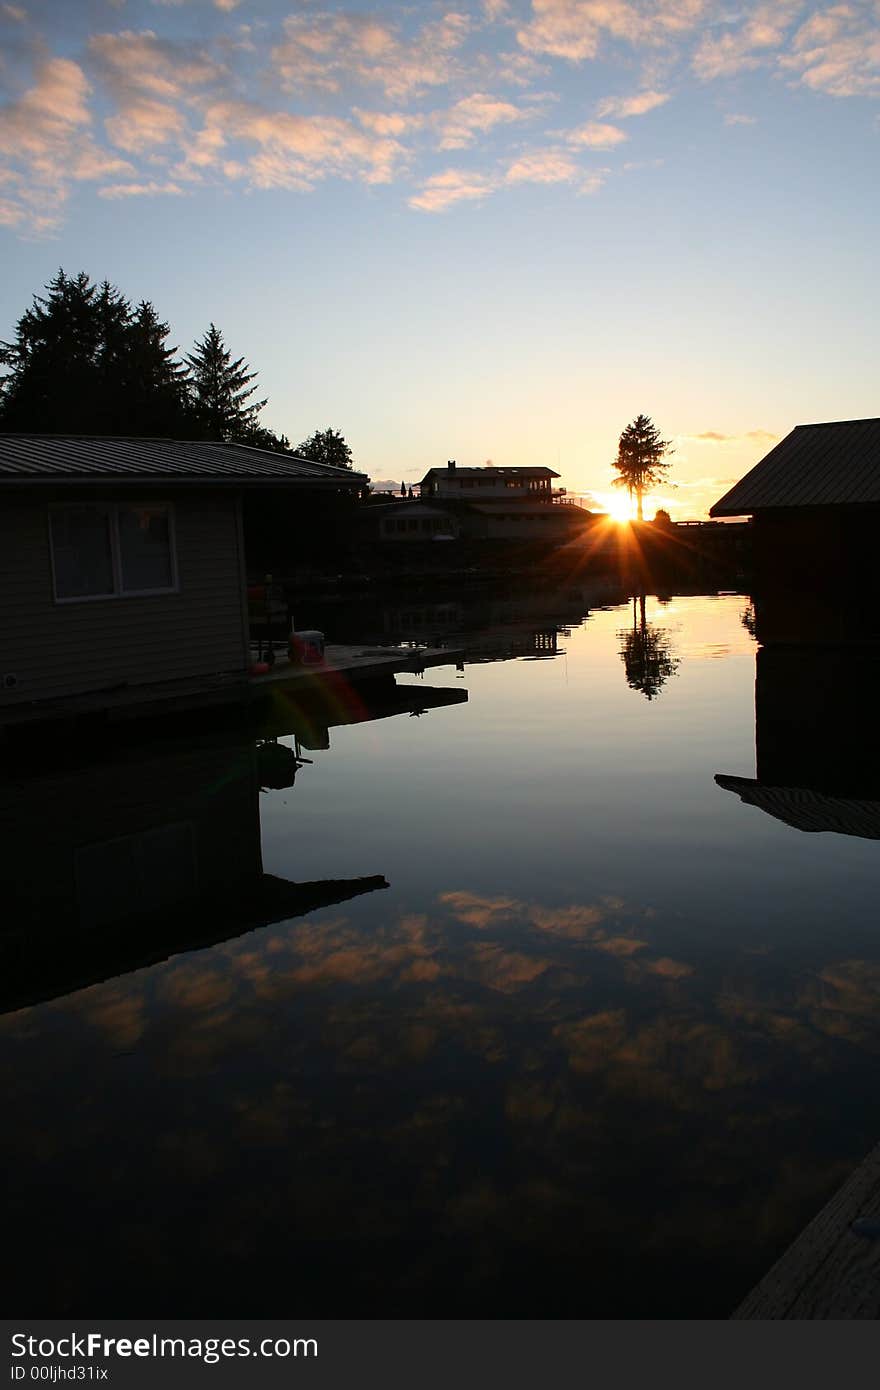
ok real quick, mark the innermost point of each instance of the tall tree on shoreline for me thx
(221, 391)
(641, 461)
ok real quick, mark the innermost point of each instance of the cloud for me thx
(49, 112)
(596, 136)
(295, 152)
(747, 46)
(591, 183)
(138, 190)
(637, 105)
(394, 123)
(574, 29)
(442, 191)
(332, 52)
(543, 166)
(145, 124)
(837, 51)
(151, 81)
(46, 142)
(144, 64)
(472, 115)
(290, 101)
(716, 437)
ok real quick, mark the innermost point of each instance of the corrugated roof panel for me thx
(36, 457)
(503, 472)
(832, 465)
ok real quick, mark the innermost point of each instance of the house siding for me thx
(59, 649)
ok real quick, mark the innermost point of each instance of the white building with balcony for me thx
(488, 483)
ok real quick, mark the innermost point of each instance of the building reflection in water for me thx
(489, 626)
(122, 853)
(817, 751)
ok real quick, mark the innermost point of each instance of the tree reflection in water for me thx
(646, 652)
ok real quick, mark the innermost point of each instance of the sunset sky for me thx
(491, 230)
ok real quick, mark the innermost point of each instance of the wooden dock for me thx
(833, 1268)
(356, 664)
(341, 665)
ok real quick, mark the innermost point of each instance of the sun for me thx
(618, 508)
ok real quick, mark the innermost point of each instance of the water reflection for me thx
(602, 1048)
(646, 652)
(155, 847)
(817, 753)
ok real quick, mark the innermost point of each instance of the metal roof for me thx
(513, 471)
(56, 458)
(828, 465)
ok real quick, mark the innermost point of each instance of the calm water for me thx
(602, 1047)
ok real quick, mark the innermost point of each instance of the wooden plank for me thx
(831, 1270)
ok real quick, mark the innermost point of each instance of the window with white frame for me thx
(110, 549)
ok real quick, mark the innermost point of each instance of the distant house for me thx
(405, 521)
(503, 503)
(815, 501)
(470, 484)
(122, 561)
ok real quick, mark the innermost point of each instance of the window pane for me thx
(145, 548)
(81, 552)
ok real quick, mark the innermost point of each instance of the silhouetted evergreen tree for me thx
(641, 459)
(261, 438)
(221, 391)
(326, 446)
(84, 362)
(53, 381)
(157, 397)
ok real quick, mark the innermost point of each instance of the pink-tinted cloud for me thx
(333, 52)
(638, 105)
(596, 135)
(575, 29)
(294, 151)
(46, 142)
(472, 116)
(543, 166)
(138, 190)
(754, 40)
(837, 51)
(443, 191)
(151, 81)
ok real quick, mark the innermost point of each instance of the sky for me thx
(495, 230)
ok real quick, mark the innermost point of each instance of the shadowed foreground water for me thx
(603, 1046)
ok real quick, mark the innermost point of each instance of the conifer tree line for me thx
(84, 360)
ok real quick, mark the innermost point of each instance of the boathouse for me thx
(815, 504)
(123, 563)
